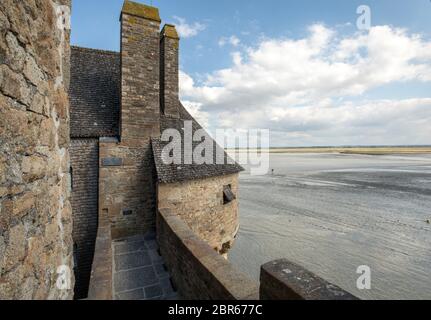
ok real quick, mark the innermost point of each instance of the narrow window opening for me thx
(228, 195)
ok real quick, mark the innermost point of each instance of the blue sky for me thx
(224, 41)
(96, 25)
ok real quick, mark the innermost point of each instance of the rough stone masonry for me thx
(35, 212)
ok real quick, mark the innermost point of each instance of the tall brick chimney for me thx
(169, 87)
(140, 73)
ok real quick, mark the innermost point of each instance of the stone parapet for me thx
(100, 287)
(284, 280)
(198, 271)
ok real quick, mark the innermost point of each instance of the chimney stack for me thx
(140, 73)
(169, 82)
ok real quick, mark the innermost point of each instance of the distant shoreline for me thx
(349, 150)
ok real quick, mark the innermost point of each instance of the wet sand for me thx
(334, 212)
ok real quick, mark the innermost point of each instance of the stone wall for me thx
(127, 188)
(35, 211)
(127, 170)
(200, 204)
(84, 155)
(284, 280)
(197, 270)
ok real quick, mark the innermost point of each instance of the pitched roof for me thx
(94, 93)
(170, 173)
(95, 112)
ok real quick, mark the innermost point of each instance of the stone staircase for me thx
(139, 272)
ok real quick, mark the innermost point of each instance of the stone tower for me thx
(169, 82)
(127, 171)
(140, 74)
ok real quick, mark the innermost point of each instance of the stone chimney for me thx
(140, 73)
(169, 83)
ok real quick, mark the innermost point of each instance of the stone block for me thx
(131, 261)
(128, 247)
(137, 294)
(16, 249)
(153, 292)
(133, 279)
(33, 168)
(23, 204)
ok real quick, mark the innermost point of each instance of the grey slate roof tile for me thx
(94, 93)
(170, 173)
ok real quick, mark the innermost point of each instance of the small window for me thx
(228, 195)
(127, 212)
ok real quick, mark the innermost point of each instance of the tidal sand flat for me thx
(332, 213)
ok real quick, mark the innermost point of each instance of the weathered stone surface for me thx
(197, 270)
(131, 261)
(38, 104)
(131, 186)
(284, 280)
(23, 204)
(33, 168)
(100, 287)
(16, 54)
(85, 173)
(32, 72)
(212, 220)
(139, 252)
(14, 85)
(35, 214)
(169, 77)
(141, 277)
(2, 251)
(15, 251)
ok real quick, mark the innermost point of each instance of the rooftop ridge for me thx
(85, 49)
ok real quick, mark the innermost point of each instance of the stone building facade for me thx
(36, 248)
(81, 148)
(121, 103)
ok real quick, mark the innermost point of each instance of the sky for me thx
(300, 68)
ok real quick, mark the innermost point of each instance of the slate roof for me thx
(170, 173)
(94, 93)
(95, 82)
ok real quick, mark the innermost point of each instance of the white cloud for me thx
(232, 40)
(194, 108)
(301, 88)
(187, 30)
